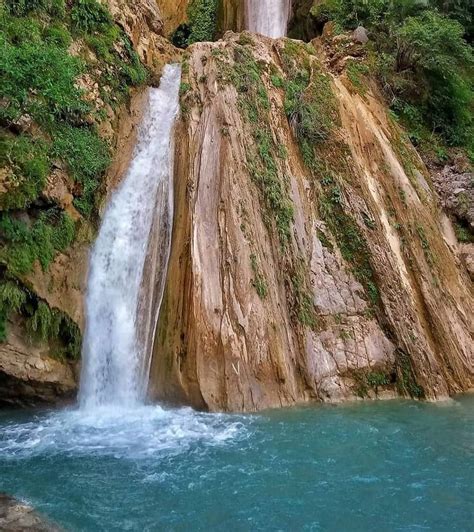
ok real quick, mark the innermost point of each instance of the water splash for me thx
(134, 239)
(135, 433)
(268, 17)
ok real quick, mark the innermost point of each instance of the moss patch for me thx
(406, 380)
(42, 323)
(246, 75)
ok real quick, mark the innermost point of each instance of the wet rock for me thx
(17, 516)
(144, 24)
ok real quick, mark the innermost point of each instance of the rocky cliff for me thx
(310, 252)
(51, 197)
(311, 259)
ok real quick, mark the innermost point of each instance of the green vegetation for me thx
(311, 108)
(377, 378)
(41, 322)
(356, 72)
(406, 380)
(246, 75)
(372, 380)
(184, 88)
(12, 299)
(325, 240)
(309, 101)
(53, 231)
(88, 16)
(303, 302)
(201, 26)
(425, 244)
(351, 242)
(258, 281)
(422, 55)
(310, 104)
(41, 96)
(463, 233)
(49, 123)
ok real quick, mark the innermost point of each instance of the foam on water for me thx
(268, 17)
(134, 433)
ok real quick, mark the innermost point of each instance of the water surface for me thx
(394, 466)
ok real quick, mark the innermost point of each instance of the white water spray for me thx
(268, 17)
(129, 262)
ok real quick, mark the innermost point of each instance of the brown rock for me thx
(28, 373)
(17, 516)
(222, 347)
(143, 22)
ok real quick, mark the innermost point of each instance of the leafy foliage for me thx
(87, 157)
(49, 122)
(39, 79)
(88, 16)
(53, 231)
(246, 76)
(22, 8)
(258, 281)
(348, 236)
(310, 104)
(42, 322)
(202, 25)
(40, 89)
(423, 57)
(27, 159)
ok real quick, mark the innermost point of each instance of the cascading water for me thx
(122, 304)
(268, 17)
(125, 287)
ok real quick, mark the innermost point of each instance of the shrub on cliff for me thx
(201, 25)
(48, 121)
(423, 57)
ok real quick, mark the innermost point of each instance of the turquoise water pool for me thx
(382, 466)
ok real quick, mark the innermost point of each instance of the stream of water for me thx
(268, 17)
(122, 311)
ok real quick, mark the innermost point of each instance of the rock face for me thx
(361, 296)
(455, 186)
(232, 15)
(16, 516)
(173, 13)
(145, 22)
(310, 258)
(30, 375)
(31, 371)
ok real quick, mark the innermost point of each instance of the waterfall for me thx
(129, 261)
(268, 17)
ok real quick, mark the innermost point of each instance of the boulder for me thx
(17, 516)
(360, 35)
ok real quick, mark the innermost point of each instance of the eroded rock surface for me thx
(248, 323)
(29, 374)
